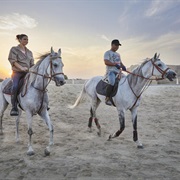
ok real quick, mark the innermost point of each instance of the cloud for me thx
(16, 20)
(177, 21)
(169, 41)
(139, 48)
(104, 37)
(157, 7)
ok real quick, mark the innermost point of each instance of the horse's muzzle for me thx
(60, 81)
(171, 75)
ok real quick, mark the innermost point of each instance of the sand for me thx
(79, 154)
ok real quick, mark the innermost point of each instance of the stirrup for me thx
(14, 112)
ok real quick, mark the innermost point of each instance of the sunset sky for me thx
(83, 29)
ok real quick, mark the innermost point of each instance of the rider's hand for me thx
(124, 68)
(117, 66)
(25, 69)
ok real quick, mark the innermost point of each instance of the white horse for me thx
(33, 98)
(128, 95)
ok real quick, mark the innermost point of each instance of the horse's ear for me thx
(155, 56)
(59, 52)
(52, 51)
(158, 56)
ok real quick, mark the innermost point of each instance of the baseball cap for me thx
(116, 42)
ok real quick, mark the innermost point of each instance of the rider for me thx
(21, 59)
(113, 64)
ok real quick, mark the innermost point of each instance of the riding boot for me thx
(108, 94)
(14, 110)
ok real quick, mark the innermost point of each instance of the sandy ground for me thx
(78, 154)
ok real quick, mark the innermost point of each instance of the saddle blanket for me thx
(102, 86)
(8, 88)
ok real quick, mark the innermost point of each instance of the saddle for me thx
(102, 85)
(8, 88)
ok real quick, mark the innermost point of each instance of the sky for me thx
(84, 29)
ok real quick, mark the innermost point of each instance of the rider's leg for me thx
(16, 78)
(111, 79)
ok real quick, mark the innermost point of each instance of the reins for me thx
(154, 65)
(149, 80)
(52, 74)
(138, 96)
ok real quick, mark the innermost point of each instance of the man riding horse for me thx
(113, 63)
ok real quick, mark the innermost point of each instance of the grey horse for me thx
(33, 98)
(128, 95)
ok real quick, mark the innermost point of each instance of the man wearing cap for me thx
(113, 63)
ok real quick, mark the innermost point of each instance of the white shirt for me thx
(113, 57)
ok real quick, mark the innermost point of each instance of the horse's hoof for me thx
(110, 138)
(30, 153)
(46, 152)
(140, 146)
(90, 130)
(99, 134)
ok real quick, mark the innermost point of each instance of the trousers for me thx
(112, 77)
(16, 77)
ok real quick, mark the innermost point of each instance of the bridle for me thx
(44, 76)
(52, 74)
(149, 80)
(163, 72)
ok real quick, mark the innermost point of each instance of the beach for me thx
(83, 155)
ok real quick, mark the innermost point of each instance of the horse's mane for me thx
(36, 66)
(40, 59)
(139, 67)
(137, 70)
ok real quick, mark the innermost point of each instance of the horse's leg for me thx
(3, 106)
(135, 133)
(30, 151)
(17, 125)
(45, 116)
(94, 105)
(1, 128)
(122, 125)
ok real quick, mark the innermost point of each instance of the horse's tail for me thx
(78, 101)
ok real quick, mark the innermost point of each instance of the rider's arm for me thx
(32, 59)
(14, 60)
(109, 63)
(107, 58)
(122, 64)
(20, 67)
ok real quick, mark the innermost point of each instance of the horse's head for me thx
(56, 68)
(161, 69)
